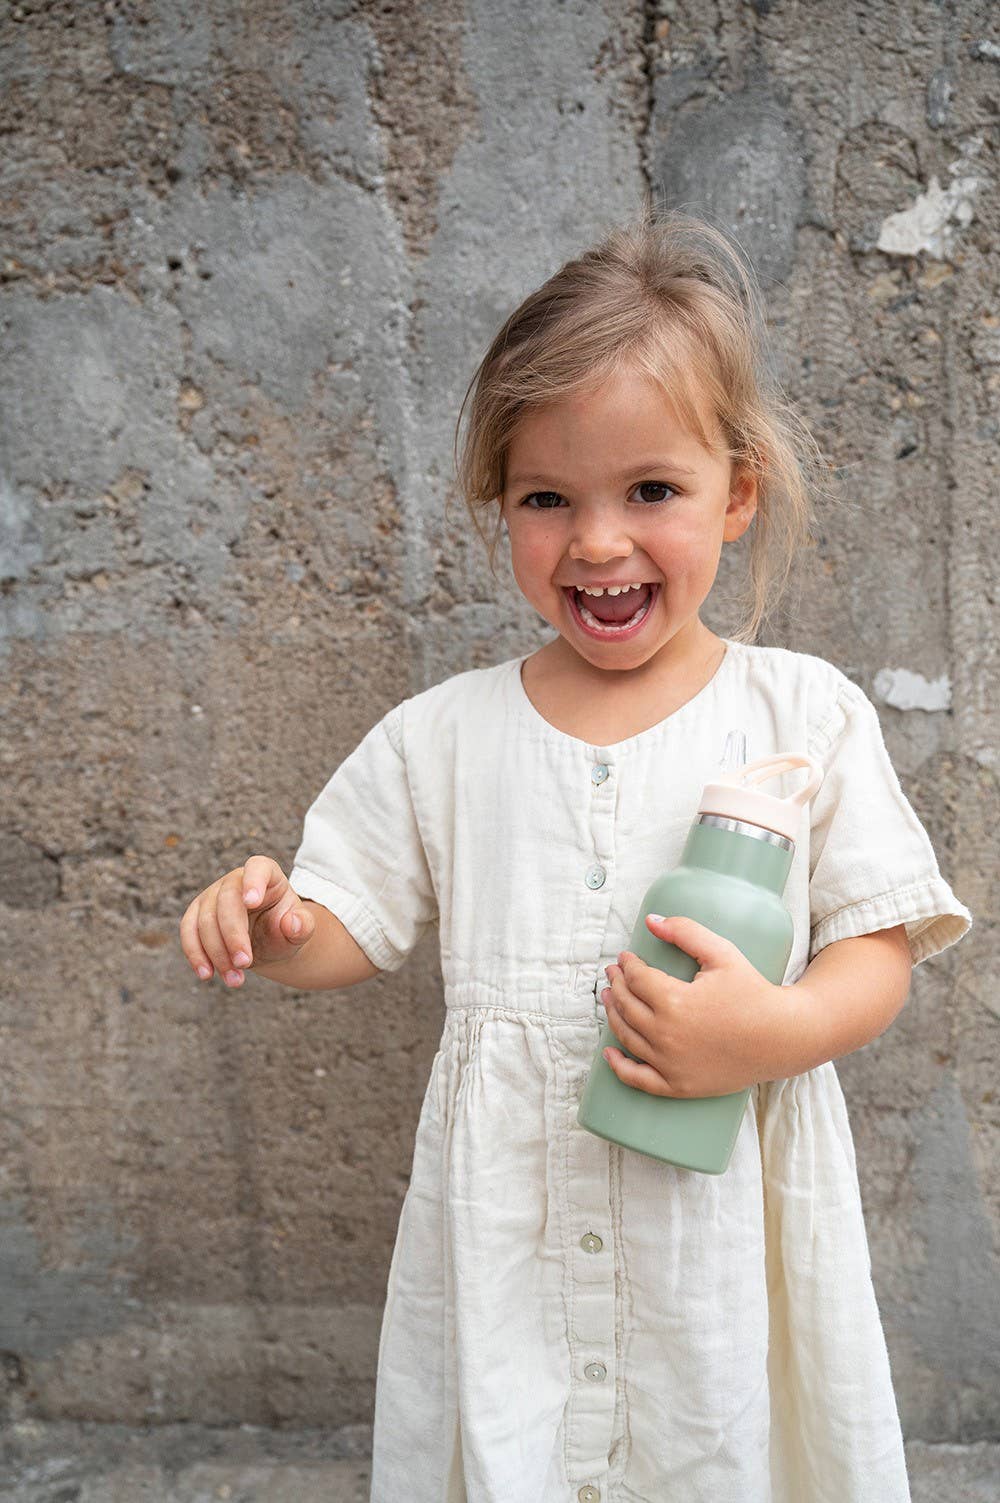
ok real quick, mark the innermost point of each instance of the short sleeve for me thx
(361, 854)
(871, 862)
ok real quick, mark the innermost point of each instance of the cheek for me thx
(531, 555)
(684, 550)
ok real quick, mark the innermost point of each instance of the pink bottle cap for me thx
(735, 795)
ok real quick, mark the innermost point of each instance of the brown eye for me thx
(550, 495)
(656, 485)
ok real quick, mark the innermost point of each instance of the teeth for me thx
(612, 589)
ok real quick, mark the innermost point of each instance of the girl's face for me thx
(609, 488)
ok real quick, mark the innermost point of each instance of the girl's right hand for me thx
(246, 918)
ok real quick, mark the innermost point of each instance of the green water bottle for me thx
(731, 877)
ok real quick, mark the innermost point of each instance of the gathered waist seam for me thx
(519, 1014)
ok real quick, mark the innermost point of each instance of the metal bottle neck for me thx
(737, 848)
(743, 827)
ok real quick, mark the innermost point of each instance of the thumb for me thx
(707, 947)
(297, 925)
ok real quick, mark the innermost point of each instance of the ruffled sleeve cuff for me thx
(933, 916)
(355, 915)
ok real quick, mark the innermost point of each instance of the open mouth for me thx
(625, 612)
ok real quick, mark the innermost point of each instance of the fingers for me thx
(635, 1073)
(233, 922)
(211, 933)
(201, 939)
(622, 1029)
(628, 1017)
(215, 929)
(633, 972)
(263, 882)
(641, 980)
(194, 951)
(257, 898)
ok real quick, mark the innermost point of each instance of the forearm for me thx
(329, 959)
(847, 996)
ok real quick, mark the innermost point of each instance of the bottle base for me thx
(678, 1159)
(696, 1133)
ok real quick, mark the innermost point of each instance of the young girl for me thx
(567, 1319)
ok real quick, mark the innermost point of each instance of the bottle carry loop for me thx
(771, 767)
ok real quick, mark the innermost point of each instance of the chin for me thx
(625, 661)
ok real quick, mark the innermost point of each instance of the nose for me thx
(598, 538)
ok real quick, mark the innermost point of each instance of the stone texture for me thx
(87, 1463)
(63, 1462)
(252, 256)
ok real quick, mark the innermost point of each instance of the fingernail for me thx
(657, 918)
(233, 977)
(296, 924)
(251, 895)
(241, 958)
(204, 971)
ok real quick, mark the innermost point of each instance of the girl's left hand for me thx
(710, 1036)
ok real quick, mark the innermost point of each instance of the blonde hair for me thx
(670, 296)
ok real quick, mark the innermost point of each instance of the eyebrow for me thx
(647, 467)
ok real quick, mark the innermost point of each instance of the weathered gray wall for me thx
(254, 252)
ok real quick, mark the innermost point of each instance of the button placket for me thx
(590, 1410)
(597, 874)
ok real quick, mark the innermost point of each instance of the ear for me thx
(742, 503)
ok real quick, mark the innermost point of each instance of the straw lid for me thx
(737, 796)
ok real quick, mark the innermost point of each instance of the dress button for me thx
(596, 876)
(598, 773)
(596, 1372)
(591, 1242)
(589, 1494)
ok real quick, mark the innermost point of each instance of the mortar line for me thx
(648, 48)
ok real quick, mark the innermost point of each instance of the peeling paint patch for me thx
(911, 691)
(925, 225)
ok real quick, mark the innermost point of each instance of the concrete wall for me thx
(255, 251)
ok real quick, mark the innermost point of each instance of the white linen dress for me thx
(568, 1321)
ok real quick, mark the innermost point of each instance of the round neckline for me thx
(553, 732)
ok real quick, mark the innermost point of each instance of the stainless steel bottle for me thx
(731, 877)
